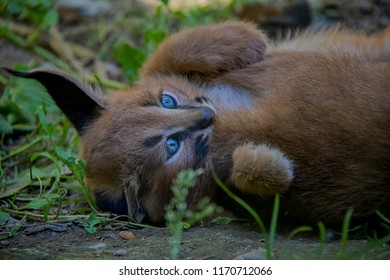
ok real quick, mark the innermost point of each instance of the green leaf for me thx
(185, 225)
(18, 226)
(4, 217)
(13, 186)
(22, 99)
(93, 222)
(51, 196)
(222, 220)
(5, 126)
(78, 169)
(91, 230)
(165, 2)
(36, 204)
(23, 180)
(130, 58)
(14, 8)
(153, 37)
(76, 166)
(180, 15)
(49, 19)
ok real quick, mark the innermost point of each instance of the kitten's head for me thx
(136, 141)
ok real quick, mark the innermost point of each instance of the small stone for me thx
(127, 235)
(120, 253)
(56, 228)
(35, 229)
(330, 235)
(4, 243)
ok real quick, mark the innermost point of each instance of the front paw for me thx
(261, 170)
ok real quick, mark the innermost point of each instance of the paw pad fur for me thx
(261, 170)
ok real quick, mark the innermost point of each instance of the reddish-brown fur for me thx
(308, 118)
(330, 114)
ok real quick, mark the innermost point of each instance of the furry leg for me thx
(261, 170)
(207, 51)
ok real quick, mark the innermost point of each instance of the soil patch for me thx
(236, 240)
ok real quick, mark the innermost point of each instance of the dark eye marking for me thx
(185, 107)
(198, 99)
(149, 103)
(181, 135)
(201, 99)
(152, 141)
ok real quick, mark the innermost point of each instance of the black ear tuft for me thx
(78, 103)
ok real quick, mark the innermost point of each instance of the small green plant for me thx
(132, 57)
(375, 240)
(94, 221)
(40, 12)
(178, 216)
(40, 172)
(78, 170)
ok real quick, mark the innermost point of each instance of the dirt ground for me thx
(233, 241)
(240, 240)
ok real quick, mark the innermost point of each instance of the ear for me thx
(78, 102)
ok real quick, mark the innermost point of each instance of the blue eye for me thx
(172, 146)
(168, 101)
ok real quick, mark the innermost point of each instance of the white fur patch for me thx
(227, 97)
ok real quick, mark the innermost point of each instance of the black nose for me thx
(208, 116)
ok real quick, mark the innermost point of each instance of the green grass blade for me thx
(299, 230)
(341, 254)
(322, 231)
(241, 202)
(274, 222)
(370, 247)
(22, 149)
(383, 217)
